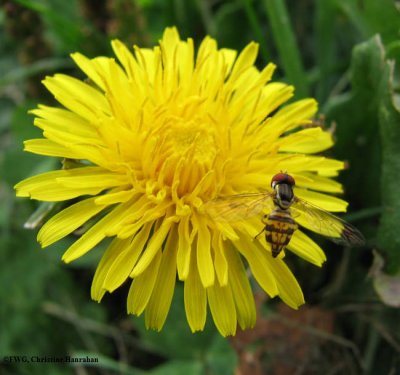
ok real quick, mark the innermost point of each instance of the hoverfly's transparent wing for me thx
(325, 223)
(238, 207)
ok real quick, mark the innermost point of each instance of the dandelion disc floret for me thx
(157, 134)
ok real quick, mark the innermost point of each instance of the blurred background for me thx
(343, 53)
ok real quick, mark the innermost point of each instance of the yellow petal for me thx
(241, 290)
(90, 67)
(324, 201)
(116, 247)
(170, 39)
(274, 94)
(142, 215)
(207, 48)
(64, 121)
(126, 58)
(94, 179)
(113, 197)
(152, 248)
(227, 230)
(306, 141)
(315, 182)
(220, 262)
(289, 289)
(122, 266)
(185, 62)
(123, 103)
(244, 61)
(160, 300)
(107, 225)
(66, 221)
(306, 248)
(309, 163)
(195, 299)
(148, 60)
(184, 249)
(49, 148)
(46, 187)
(142, 286)
(222, 307)
(229, 57)
(259, 265)
(90, 103)
(204, 260)
(293, 115)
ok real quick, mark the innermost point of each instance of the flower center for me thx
(192, 140)
(183, 148)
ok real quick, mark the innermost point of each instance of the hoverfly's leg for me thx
(262, 231)
(264, 221)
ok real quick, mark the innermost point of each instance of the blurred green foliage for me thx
(343, 52)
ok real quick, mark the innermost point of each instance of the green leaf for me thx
(389, 122)
(175, 339)
(357, 132)
(233, 26)
(62, 20)
(325, 46)
(22, 123)
(207, 351)
(178, 367)
(221, 359)
(23, 72)
(256, 27)
(106, 363)
(350, 8)
(368, 130)
(287, 46)
(6, 110)
(28, 164)
(371, 17)
(25, 293)
(383, 17)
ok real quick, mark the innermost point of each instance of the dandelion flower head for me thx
(156, 134)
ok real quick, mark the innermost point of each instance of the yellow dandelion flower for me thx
(157, 135)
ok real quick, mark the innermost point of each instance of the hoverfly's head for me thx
(282, 178)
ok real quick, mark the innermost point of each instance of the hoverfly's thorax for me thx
(284, 195)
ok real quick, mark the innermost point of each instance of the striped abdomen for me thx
(279, 228)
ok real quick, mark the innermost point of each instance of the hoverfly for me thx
(284, 208)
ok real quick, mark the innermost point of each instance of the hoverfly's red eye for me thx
(282, 178)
